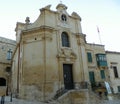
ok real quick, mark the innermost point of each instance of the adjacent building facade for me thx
(52, 54)
(97, 65)
(7, 48)
(113, 59)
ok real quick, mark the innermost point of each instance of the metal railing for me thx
(59, 93)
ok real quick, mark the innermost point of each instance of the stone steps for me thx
(68, 99)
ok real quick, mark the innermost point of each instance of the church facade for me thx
(52, 54)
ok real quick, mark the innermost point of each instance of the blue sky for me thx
(102, 13)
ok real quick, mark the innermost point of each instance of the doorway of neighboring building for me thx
(92, 79)
(2, 82)
(68, 76)
(2, 86)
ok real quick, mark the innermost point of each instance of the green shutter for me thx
(102, 74)
(91, 77)
(89, 55)
(118, 88)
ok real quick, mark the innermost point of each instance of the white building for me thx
(113, 60)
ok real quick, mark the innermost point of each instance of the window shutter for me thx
(102, 74)
(89, 55)
(118, 88)
(115, 71)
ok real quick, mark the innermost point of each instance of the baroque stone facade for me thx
(7, 48)
(52, 54)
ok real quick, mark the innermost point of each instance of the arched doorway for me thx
(3, 86)
(2, 82)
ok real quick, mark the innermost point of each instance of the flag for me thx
(98, 30)
(99, 34)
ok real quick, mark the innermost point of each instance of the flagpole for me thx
(99, 35)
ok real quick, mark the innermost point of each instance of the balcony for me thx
(101, 60)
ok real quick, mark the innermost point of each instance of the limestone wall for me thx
(113, 59)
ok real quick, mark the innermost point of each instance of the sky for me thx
(104, 14)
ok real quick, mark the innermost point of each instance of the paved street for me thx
(110, 102)
(19, 101)
(16, 101)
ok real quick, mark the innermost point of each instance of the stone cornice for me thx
(80, 38)
(6, 63)
(41, 28)
(38, 34)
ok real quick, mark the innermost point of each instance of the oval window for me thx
(63, 17)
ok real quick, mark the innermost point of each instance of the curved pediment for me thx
(75, 15)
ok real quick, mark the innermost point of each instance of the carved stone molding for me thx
(42, 33)
(67, 54)
(39, 37)
(80, 38)
(46, 36)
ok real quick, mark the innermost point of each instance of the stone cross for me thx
(61, 1)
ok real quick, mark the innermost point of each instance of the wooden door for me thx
(68, 76)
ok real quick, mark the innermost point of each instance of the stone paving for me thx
(18, 101)
(110, 102)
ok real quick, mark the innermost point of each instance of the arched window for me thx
(65, 40)
(2, 82)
